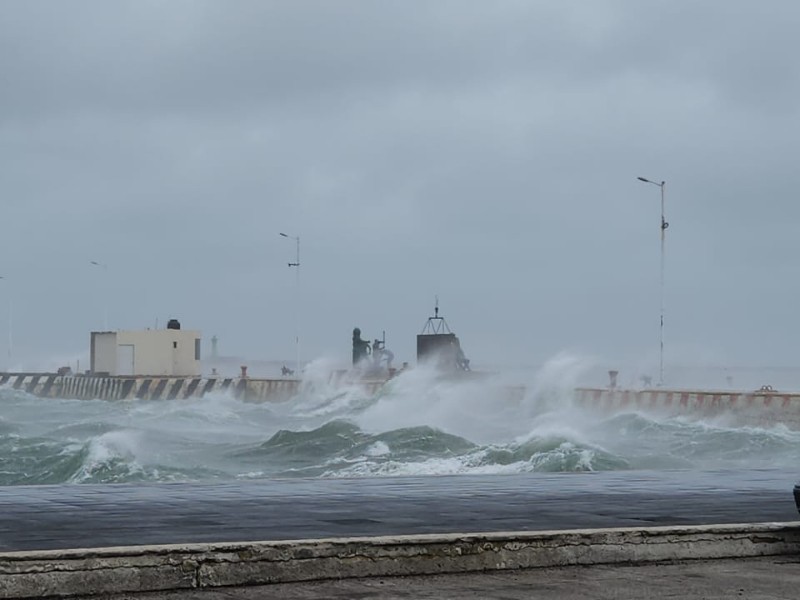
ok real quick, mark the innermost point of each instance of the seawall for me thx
(195, 566)
(759, 408)
(89, 387)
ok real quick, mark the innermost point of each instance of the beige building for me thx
(154, 352)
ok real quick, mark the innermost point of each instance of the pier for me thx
(765, 407)
(760, 408)
(99, 387)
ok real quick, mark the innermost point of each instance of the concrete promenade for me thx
(771, 578)
(228, 566)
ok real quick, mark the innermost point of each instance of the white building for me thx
(153, 352)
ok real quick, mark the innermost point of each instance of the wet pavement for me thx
(85, 516)
(744, 579)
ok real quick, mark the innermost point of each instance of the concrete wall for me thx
(760, 409)
(164, 352)
(757, 409)
(44, 385)
(192, 566)
(103, 352)
(89, 387)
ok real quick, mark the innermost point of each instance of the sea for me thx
(419, 425)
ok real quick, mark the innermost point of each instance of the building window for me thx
(197, 348)
(174, 344)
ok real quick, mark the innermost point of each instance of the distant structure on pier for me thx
(172, 352)
(437, 344)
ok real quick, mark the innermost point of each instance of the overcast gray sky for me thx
(484, 152)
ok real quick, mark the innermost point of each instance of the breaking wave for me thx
(419, 424)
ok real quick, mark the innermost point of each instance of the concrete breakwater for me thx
(88, 387)
(759, 408)
(197, 566)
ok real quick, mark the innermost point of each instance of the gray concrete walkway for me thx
(743, 579)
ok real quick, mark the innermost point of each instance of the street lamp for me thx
(296, 265)
(664, 226)
(105, 292)
(10, 325)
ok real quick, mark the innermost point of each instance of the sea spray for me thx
(420, 423)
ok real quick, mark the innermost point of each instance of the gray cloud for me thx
(484, 152)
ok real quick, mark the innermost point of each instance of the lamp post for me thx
(296, 265)
(10, 326)
(664, 226)
(105, 292)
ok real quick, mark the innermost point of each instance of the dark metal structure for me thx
(439, 346)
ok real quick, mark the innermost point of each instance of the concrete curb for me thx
(175, 567)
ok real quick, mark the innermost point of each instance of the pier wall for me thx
(759, 408)
(88, 387)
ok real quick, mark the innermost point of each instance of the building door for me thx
(125, 359)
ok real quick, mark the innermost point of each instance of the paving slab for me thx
(741, 579)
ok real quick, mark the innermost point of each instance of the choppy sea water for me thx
(418, 425)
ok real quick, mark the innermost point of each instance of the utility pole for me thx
(664, 226)
(296, 265)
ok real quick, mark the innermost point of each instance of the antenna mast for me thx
(435, 324)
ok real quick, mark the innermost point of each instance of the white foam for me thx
(104, 449)
(379, 448)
